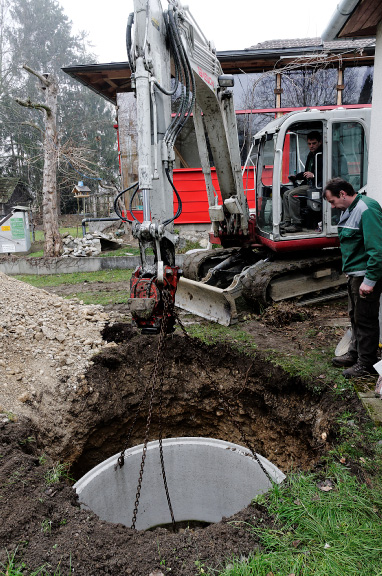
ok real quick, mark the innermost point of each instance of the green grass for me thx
(336, 532)
(123, 251)
(103, 298)
(314, 368)
(212, 333)
(77, 280)
(16, 568)
(37, 254)
(58, 472)
(42, 281)
(76, 232)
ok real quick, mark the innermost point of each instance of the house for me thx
(13, 192)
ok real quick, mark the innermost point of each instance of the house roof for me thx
(7, 187)
(110, 79)
(354, 19)
(104, 79)
(317, 42)
(81, 190)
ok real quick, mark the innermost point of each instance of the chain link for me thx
(170, 308)
(158, 369)
(121, 459)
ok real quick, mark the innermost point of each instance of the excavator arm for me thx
(171, 59)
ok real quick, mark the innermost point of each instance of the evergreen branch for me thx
(32, 125)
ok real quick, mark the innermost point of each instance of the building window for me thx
(358, 83)
(309, 87)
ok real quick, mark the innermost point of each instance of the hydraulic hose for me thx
(185, 81)
(130, 22)
(180, 207)
(131, 203)
(186, 108)
(116, 207)
(176, 63)
(176, 55)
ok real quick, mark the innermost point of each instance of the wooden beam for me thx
(364, 18)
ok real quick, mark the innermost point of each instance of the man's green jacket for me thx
(360, 234)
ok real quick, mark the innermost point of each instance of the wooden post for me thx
(278, 92)
(340, 86)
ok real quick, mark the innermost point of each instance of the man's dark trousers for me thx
(364, 317)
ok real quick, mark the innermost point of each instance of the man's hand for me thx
(308, 175)
(364, 290)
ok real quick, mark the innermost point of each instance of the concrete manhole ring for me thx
(207, 479)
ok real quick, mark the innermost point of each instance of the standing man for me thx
(291, 199)
(360, 234)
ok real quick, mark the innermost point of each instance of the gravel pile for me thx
(46, 345)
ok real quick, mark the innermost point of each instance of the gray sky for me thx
(244, 24)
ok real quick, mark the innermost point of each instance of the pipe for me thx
(339, 19)
(83, 223)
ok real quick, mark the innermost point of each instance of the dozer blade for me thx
(209, 302)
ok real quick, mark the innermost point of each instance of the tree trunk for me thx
(53, 240)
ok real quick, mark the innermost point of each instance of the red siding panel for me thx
(191, 186)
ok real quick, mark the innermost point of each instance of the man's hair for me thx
(314, 135)
(335, 185)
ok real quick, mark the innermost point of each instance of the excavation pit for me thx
(275, 414)
(207, 479)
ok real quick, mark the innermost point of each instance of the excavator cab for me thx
(282, 153)
(286, 166)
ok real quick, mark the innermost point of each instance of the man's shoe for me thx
(284, 225)
(358, 370)
(344, 361)
(293, 228)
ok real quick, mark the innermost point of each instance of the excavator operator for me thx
(291, 200)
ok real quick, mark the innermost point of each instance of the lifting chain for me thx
(156, 378)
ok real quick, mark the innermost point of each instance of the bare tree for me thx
(53, 240)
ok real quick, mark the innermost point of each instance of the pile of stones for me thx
(89, 245)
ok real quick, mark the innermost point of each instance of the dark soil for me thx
(281, 416)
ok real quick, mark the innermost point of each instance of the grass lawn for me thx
(77, 281)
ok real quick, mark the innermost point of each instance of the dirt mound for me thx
(46, 346)
(284, 313)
